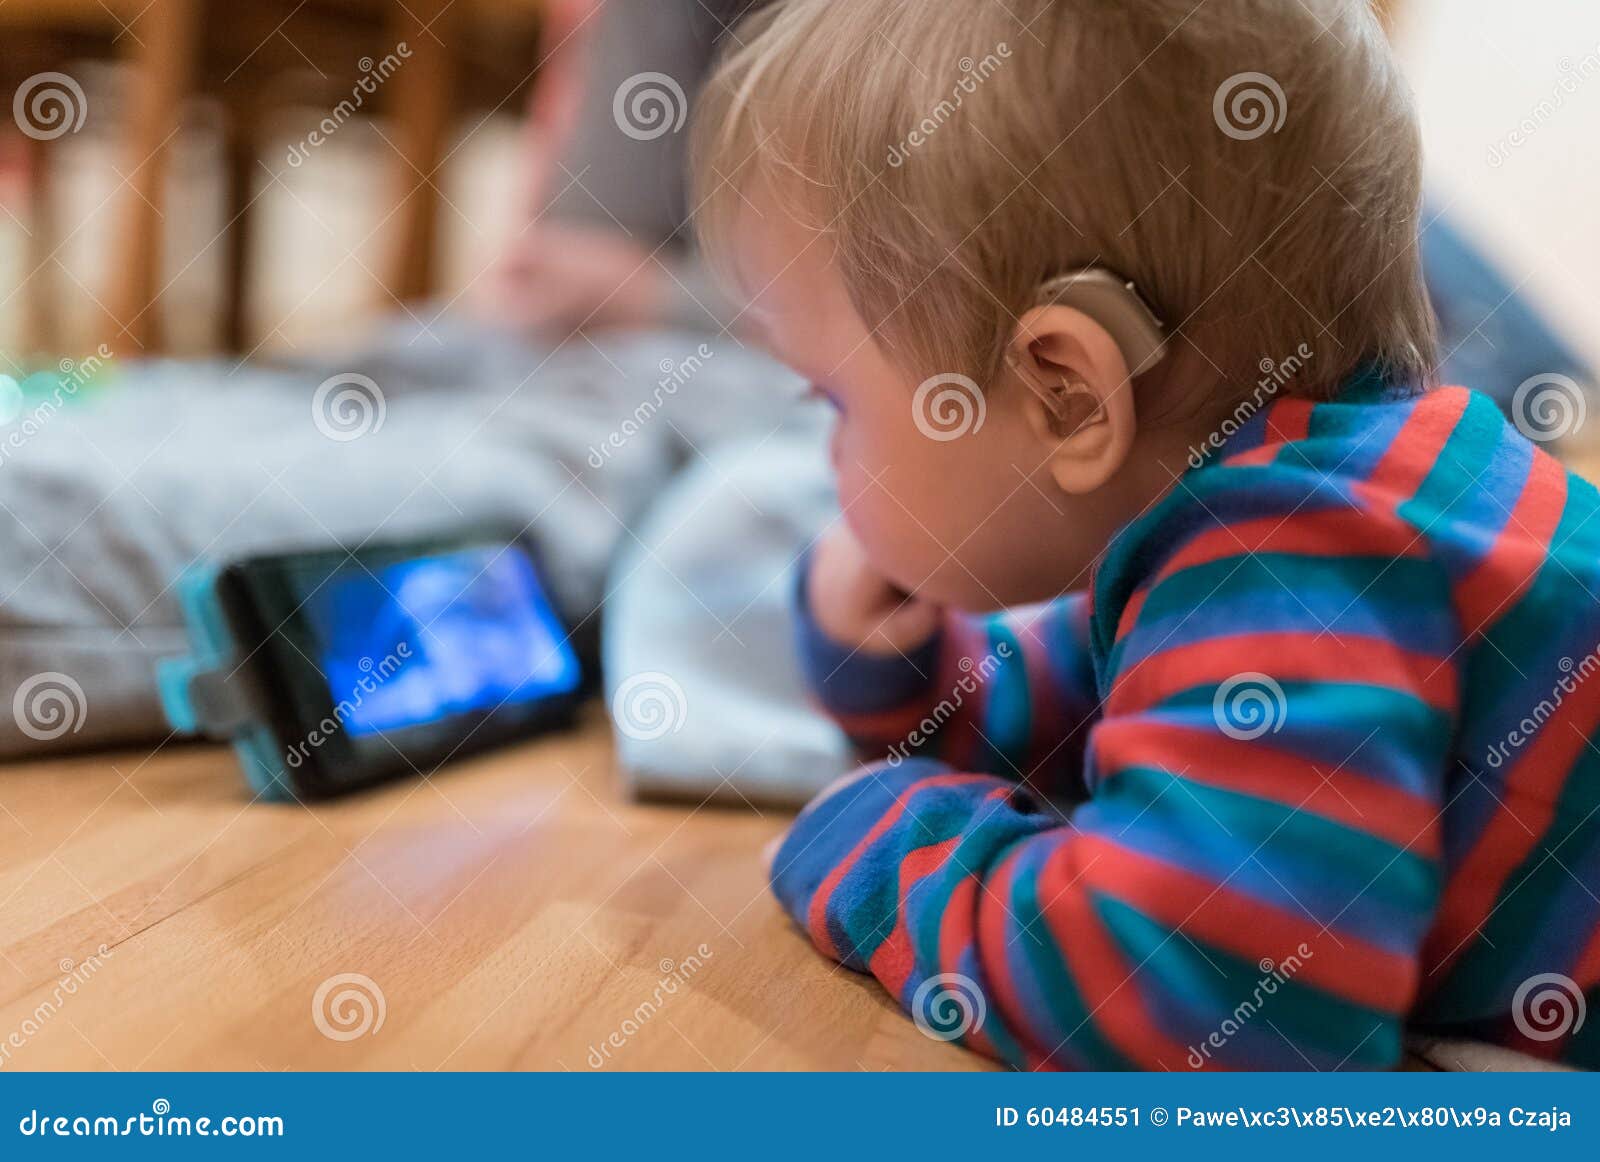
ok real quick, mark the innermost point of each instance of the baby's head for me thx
(894, 183)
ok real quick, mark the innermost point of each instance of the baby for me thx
(1119, 304)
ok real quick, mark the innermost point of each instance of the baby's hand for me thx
(561, 278)
(857, 607)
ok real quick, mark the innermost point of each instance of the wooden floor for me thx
(514, 913)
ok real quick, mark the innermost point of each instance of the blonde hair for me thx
(1254, 166)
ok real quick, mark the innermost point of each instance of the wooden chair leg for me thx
(239, 159)
(423, 99)
(164, 63)
(41, 298)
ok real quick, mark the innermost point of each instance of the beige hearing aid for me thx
(1116, 304)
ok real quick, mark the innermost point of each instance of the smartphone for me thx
(334, 670)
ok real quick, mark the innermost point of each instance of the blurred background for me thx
(267, 177)
(187, 176)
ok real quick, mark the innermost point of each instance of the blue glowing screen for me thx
(434, 637)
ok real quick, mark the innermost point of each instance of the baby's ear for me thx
(1079, 400)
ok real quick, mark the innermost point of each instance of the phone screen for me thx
(425, 639)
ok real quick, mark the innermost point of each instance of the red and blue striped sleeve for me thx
(1257, 865)
(1012, 694)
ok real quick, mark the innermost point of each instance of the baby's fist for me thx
(854, 605)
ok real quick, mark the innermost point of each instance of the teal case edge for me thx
(215, 650)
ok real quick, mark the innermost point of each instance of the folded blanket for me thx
(702, 679)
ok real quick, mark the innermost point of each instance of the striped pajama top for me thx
(1314, 762)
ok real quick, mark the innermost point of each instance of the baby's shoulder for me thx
(1448, 454)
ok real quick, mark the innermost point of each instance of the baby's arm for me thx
(1011, 694)
(1239, 891)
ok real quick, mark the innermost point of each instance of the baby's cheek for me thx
(905, 500)
(906, 551)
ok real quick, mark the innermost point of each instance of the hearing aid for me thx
(1116, 304)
